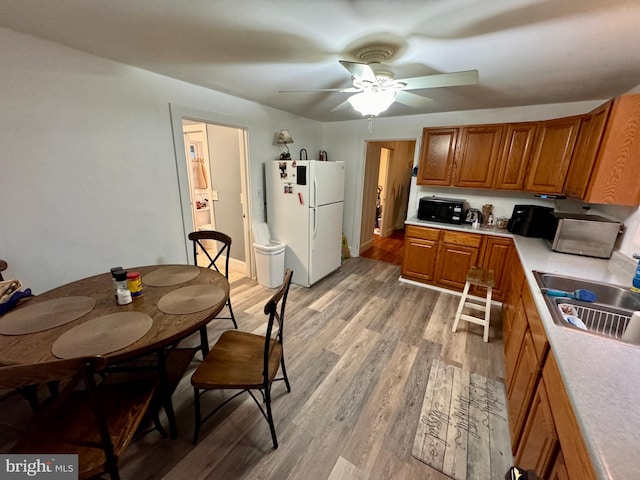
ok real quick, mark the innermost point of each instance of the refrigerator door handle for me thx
(315, 227)
(315, 191)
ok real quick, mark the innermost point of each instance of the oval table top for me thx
(165, 330)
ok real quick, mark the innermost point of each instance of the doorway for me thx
(215, 155)
(212, 166)
(387, 179)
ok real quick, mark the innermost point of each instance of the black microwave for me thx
(440, 209)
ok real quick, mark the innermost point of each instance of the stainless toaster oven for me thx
(580, 234)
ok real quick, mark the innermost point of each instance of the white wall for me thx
(88, 175)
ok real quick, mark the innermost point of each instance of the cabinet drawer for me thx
(461, 238)
(538, 334)
(424, 233)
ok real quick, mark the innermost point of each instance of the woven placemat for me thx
(170, 275)
(102, 335)
(191, 299)
(37, 317)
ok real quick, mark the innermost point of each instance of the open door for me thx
(387, 164)
(227, 182)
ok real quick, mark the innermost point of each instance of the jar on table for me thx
(114, 270)
(122, 290)
(134, 283)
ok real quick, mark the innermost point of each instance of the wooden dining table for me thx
(166, 330)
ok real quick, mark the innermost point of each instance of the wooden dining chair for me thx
(215, 254)
(246, 361)
(94, 421)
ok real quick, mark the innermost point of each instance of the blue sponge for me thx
(580, 294)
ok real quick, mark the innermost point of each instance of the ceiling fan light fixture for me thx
(372, 103)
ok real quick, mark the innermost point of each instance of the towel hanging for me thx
(199, 173)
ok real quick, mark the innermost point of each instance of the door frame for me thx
(177, 113)
(361, 185)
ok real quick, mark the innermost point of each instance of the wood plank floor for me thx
(358, 346)
(387, 249)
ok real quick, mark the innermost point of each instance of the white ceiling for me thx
(527, 52)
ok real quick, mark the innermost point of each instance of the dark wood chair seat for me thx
(246, 362)
(96, 422)
(236, 362)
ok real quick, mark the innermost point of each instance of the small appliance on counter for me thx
(440, 209)
(581, 234)
(531, 221)
(473, 215)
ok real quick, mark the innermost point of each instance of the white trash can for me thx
(269, 257)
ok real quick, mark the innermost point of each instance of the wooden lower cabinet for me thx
(574, 450)
(420, 259)
(539, 442)
(515, 280)
(495, 253)
(521, 388)
(442, 257)
(545, 435)
(453, 263)
(559, 469)
(513, 345)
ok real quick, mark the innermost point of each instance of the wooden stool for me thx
(482, 277)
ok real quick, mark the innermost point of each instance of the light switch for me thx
(214, 195)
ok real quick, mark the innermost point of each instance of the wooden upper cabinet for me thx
(515, 156)
(552, 154)
(436, 156)
(476, 155)
(616, 173)
(584, 155)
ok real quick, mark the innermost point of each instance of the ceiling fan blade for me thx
(341, 90)
(315, 90)
(413, 100)
(341, 106)
(360, 70)
(467, 77)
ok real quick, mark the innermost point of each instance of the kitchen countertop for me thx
(600, 375)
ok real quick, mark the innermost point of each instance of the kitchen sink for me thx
(608, 316)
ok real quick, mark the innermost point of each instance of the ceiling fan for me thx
(376, 88)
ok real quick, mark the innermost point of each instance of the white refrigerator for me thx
(304, 210)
